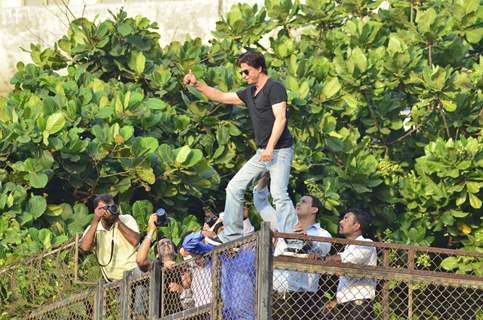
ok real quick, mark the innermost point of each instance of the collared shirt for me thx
(304, 281)
(123, 253)
(350, 289)
(201, 283)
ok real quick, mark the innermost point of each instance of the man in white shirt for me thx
(354, 295)
(115, 238)
(301, 300)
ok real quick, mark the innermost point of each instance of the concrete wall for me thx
(21, 25)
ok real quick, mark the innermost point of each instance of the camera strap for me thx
(112, 251)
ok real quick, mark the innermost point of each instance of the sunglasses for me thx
(244, 73)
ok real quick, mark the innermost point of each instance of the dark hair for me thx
(316, 203)
(105, 197)
(362, 217)
(254, 59)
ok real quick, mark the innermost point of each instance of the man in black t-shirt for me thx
(266, 100)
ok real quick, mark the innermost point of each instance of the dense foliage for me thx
(385, 107)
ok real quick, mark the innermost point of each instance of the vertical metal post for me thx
(154, 290)
(264, 272)
(163, 292)
(411, 256)
(99, 300)
(385, 287)
(216, 304)
(76, 258)
(124, 296)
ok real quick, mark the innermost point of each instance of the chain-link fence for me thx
(370, 280)
(79, 306)
(238, 281)
(44, 278)
(220, 284)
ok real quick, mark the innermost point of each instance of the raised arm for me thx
(211, 93)
(89, 236)
(143, 250)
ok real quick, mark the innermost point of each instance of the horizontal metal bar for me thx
(384, 245)
(37, 257)
(189, 313)
(62, 303)
(382, 273)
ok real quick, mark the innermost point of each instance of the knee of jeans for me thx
(279, 194)
(234, 189)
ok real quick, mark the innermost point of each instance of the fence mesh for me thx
(356, 280)
(78, 307)
(44, 278)
(138, 295)
(236, 267)
(375, 281)
(112, 301)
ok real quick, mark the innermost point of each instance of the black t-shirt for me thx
(260, 108)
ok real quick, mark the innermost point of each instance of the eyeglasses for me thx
(244, 73)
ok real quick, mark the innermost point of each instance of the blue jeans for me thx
(279, 168)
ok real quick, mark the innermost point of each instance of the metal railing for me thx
(38, 280)
(242, 280)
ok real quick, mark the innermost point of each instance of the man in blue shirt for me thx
(238, 277)
(301, 300)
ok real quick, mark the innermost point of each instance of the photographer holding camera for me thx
(115, 237)
(177, 281)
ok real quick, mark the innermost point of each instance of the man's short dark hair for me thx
(362, 217)
(316, 203)
(254, 59)
(105, 197)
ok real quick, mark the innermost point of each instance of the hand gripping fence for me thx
(242, 280)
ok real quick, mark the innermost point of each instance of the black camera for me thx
(112, 208)
(162, 217)
(210, 220)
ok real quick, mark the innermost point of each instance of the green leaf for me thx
(155, 104)
(125, 29)
(183, 154)
(55, 123)
(146, 173)
(149, 143)
(331, 88)
(461, 199)
(194, 158)
(475, 202)
(126, 132)
(37, 180)
(474, 35)
(45, 236)
(359, 59)
(37, 206)
(473, 186)
(458, 214)
(55, 210)
(140, 63)
(450, 263)
(448, 105)
(137, 62)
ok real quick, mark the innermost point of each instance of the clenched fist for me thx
(190, 79)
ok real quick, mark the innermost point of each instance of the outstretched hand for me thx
(190, 79)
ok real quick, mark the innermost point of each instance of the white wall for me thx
(21, 25)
